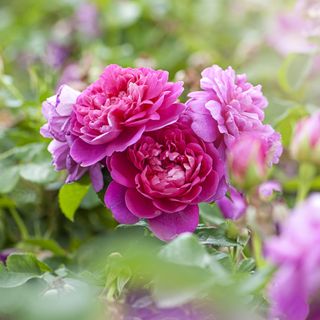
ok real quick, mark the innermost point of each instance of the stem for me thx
(257, 250)
(19, 222)
(306, 174)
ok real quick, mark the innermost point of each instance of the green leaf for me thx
(38, 172)
(26, 263)
(70, 198)
(286, 123)
(9, 177)
(246, 265)
(47, 244)
(210, 213)
(294, 71)
(13, 279)
(20, 268)
(216, 236)
(186, 250)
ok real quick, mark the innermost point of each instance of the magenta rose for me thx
(295, 289)
(227, 106)
(114, 112)
(57, 110)
(162, 178)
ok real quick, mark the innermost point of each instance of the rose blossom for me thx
(114, 112)
(227, 106)
(57, 110)
(295, 290)
(305, 145)
(251, 155)
(163, 177)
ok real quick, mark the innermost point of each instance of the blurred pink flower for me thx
(114, 112)
(227, 106)
(86, 20)
(162, 178)
(305, 144)
(295, 31)
(294, 293)
(267, 189)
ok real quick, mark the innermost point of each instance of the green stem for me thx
(306, 174)
(257, 250)
(19, 222)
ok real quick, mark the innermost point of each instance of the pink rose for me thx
(162, 178)
(227, 106)
(114, 112)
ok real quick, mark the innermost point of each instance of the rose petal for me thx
(169, 225)
(139, 205)
(115, 201)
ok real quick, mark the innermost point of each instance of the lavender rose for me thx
(57, 110)
(114, 112)
(163, 177)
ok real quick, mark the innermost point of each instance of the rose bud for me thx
(305, 144)
(251, 156)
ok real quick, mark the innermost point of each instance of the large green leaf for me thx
(186, 250)
(70, 198)
(20, 268)
(38, 172)
(9, 177)
(26, 263)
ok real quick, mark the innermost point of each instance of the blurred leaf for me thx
(14, 279)
(38, 172)
(246, 265)
(47, 244)
(26, 263)
(285, 125)
(70, 197)
(294, 71)
(186, 250)
(9, 177)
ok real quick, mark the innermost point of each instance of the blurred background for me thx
(47, 43)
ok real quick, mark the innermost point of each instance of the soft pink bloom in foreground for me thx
(57, 110)
(227, 106)
(162, 178)
(295, 290)
(305, 144)
(251, 155)
(234, 206)
(114, 112)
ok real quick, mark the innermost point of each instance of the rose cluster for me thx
(164, 157)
